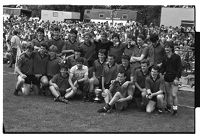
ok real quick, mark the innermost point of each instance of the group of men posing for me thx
(122, 71)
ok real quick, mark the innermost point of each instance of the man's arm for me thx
(85, 76)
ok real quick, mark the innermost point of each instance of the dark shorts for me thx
(49, 77)
(38, 78)
(154, 98)
(62, 92)
(137, 93)
(31, 79)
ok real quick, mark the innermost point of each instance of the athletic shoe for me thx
(104, 109)
(160, 111)
(168, 109)
(86, 99)
(16, 92)
(61, 99)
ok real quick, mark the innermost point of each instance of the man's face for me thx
(29, 52)
(79, 65)
(154, 73)
(56, 34)
(101, 56)
(110, 60)
(115, 40)
(121, 77)
(103, 37)
(144, 67)
(87, 38)
(63, 72)
(77, 54)
(139, 41)
(129, 41)
(42, 50)
(73, 37)
(40, 35)
(168, 50)
(125, 62)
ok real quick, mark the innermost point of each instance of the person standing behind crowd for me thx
(72, 60)
(156, 52)
(88, 48)
(24, 69)
(117, 48)
(56, 40)
(155, 86)
(40, 61)
(130, 46)
(15, 48)
(40, 39)
(72, 42)
(139, 53)
(171, 68)
(103, 43)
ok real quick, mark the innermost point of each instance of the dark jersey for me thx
(25, 64)
(40, 63)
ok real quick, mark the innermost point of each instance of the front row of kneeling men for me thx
(40, 72)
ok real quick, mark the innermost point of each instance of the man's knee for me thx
(26, 89)
(20, 79)
(44, 81)
(160, 97)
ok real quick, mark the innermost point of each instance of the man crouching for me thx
(117, 95)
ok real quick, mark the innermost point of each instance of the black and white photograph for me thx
(108, 68)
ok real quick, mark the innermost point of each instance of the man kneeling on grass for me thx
(155, 90)
(118, 95)
(59, 84)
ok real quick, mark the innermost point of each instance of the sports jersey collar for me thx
(100, 62)
(156, 78)
(111, 65)
(143, 72)
(40, 40)
(76, 67)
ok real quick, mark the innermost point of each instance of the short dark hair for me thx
(141, 36)
(103, 51)
(29, 46)
(169, 45)
(73, 31)
(115, 35)
(126, 57)
(56, 28)
(78, 49)
(104, 33)
(144, 61)
(154, 37)
(121, 71)
(40, 30)
(44, 44)
(15, 32)
(111, 55)
(80, 60)
(155, 67)
(53, 48)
